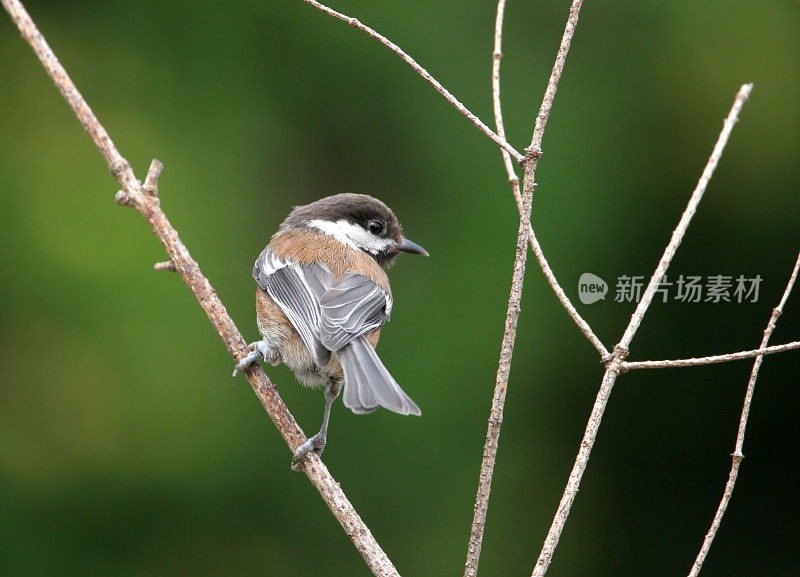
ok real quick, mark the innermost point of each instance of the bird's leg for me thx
(317, 442)
(258, 350)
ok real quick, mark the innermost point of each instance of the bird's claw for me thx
(315, 444)
(258, 350)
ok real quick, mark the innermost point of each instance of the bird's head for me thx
(359, 221)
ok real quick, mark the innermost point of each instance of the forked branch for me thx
(513, 179)
(737, 451)
(615, 362)
(145, 199)
(533, 153)
(147, 203)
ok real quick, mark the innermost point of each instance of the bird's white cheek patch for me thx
(351, 234)
(333, 229)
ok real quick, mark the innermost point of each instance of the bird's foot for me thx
(315, 444)
(258, 350)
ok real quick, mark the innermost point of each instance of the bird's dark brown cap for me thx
(358, 209)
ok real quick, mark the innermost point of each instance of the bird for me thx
(323, 297)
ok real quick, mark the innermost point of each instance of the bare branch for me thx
(501, 385)
(535, 148)
(563, 298)
(614, 364)
(627, 366)
(524, 203)
(422, 72)
(513, 179)
(497, 55)
(151, 182)
(686, 218)
(507, 348)
(581, 461)
(149, 206)
(737, 452)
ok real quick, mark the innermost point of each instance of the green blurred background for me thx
(127, 449)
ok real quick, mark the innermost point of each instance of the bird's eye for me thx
(375, 227)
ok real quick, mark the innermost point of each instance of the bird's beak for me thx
(406, 245)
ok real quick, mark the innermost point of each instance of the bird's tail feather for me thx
(368, 384)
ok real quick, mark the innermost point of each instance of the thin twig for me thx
(148, 206)
(498, 400)
(151, 182)
(583, 326)
(535, 148)
(581, 461)
(166, 266)
(513, 179)
(617, 358)
(501, 385)
(525, 231)
(512, 315)
(686, 218)
(737, 452)
(422, 72)
(497, 55)
(627, 366)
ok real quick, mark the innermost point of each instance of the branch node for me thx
(615, 362)
(153, 174)
(532, 154)
(119, 166)
(123, 199)
(166, 266)
(748, 398)
(620, 353)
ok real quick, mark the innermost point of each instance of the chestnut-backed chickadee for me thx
(322, 290)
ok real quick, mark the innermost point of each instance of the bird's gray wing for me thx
(352, 306)
(266, 264)
(297, 290)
